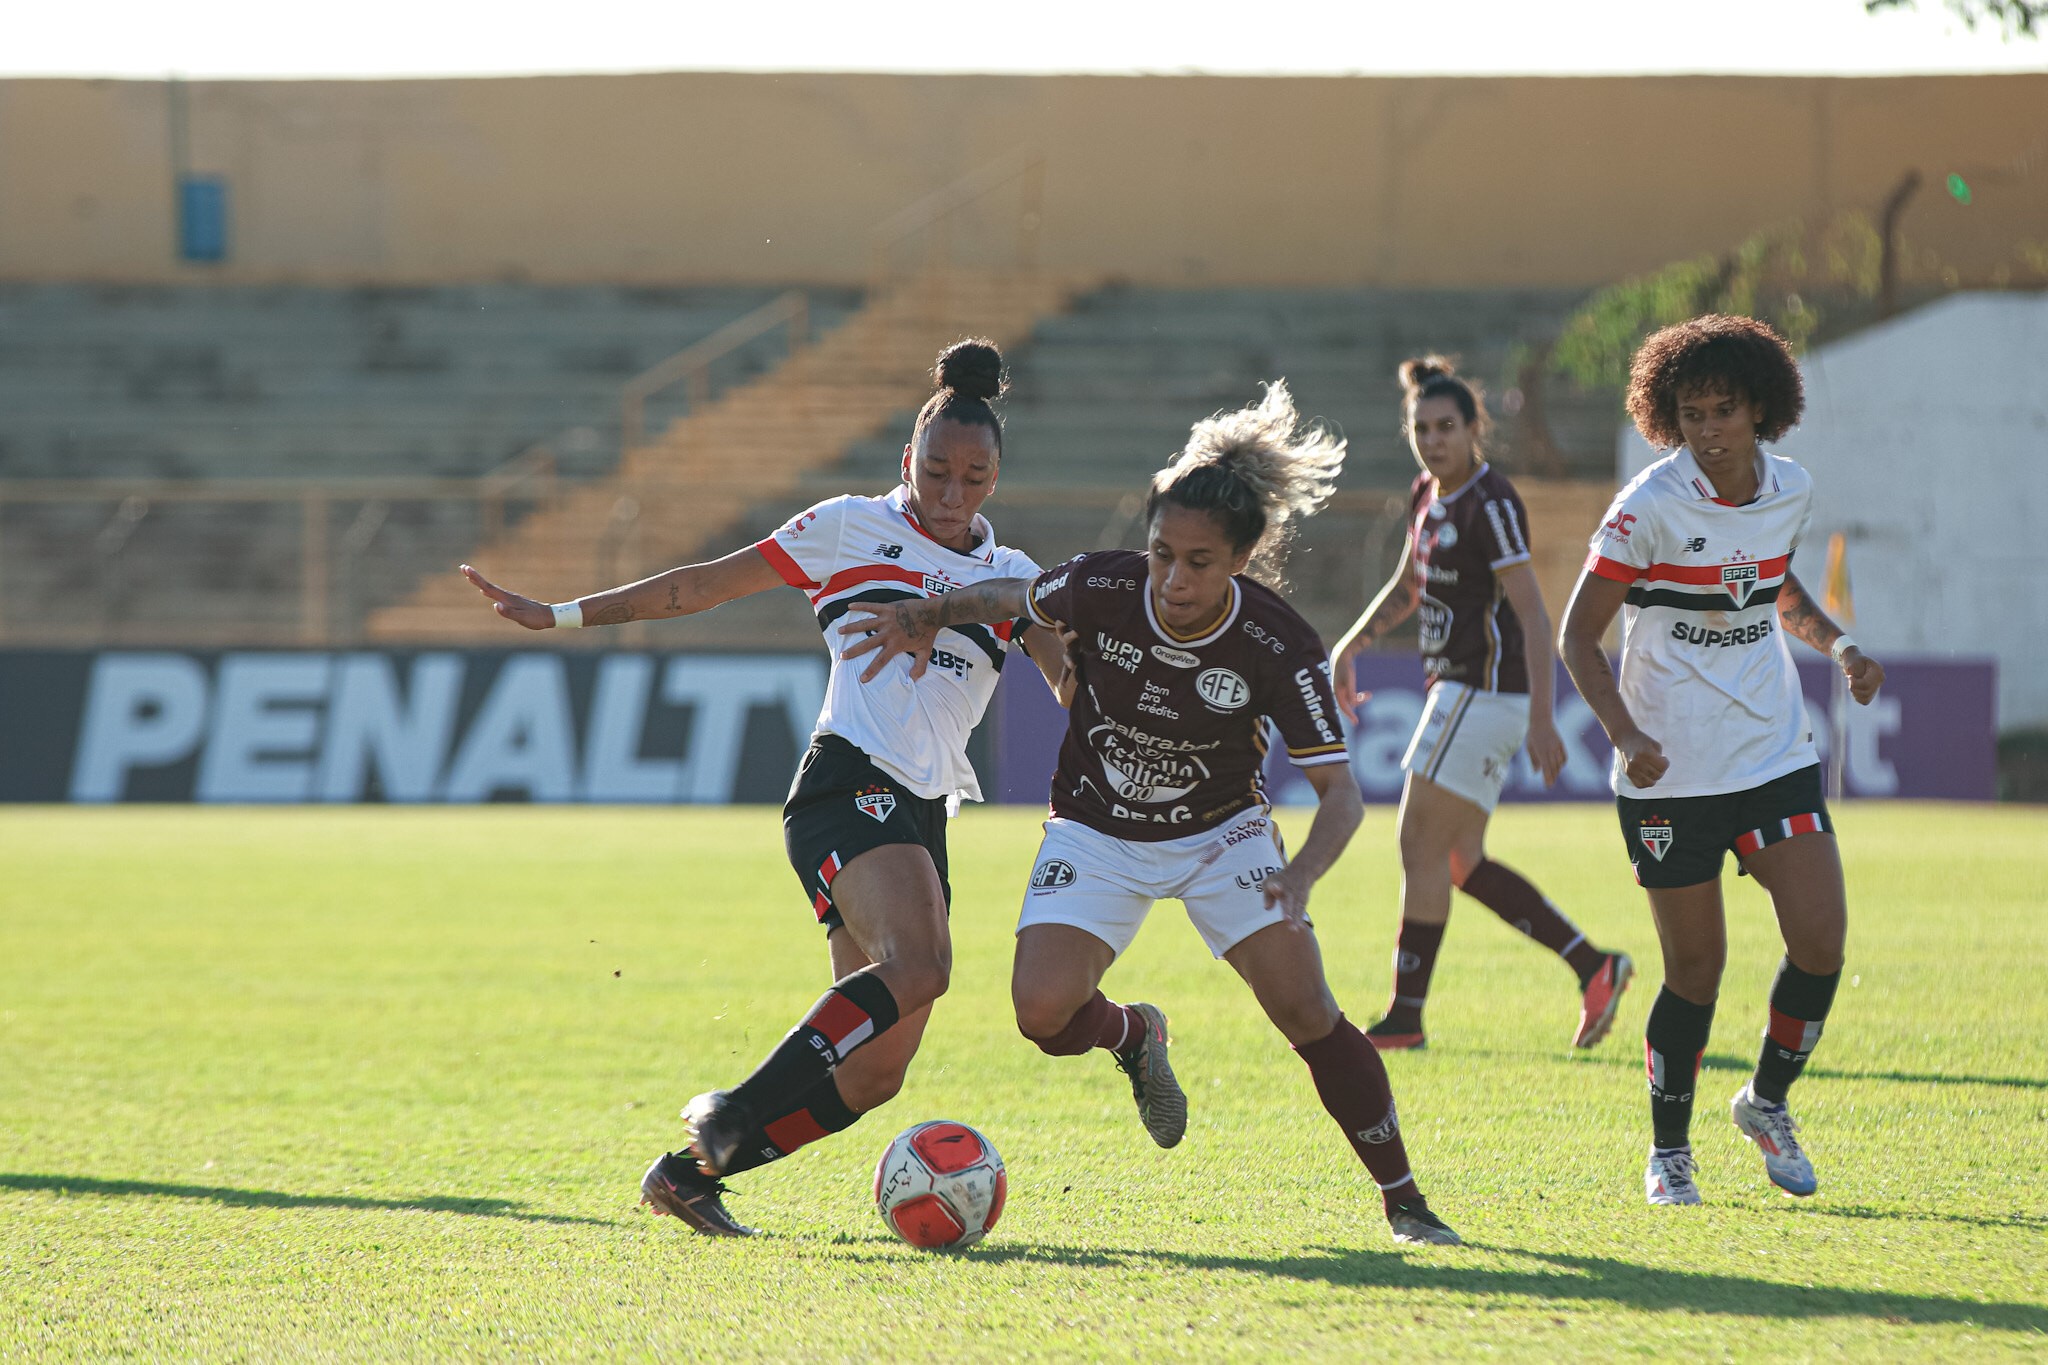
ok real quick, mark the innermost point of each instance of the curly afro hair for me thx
(1714, 354)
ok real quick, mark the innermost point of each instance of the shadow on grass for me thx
(278, 1199)
(1560, 1277)
(1722, 1061)
(1976, 1220)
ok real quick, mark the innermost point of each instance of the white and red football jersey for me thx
(852, 550)
(1704, 665)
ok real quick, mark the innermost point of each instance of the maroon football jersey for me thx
(1470, 633)
(1166, 735)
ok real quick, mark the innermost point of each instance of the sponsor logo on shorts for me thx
(1179, 658)
(1052, 874)
(878, 803)
(1252, 877)
(1655, 833)
(1223, 689)
(1250, 829)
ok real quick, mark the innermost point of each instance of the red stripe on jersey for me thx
(1710, 574)
(792, 1131)
(1804, 824)
(1003, 630)
(1601, 565)
(868, 573)
(838, 1018)
(779, 559)
(1749, 843)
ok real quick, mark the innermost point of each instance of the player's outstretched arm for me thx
(893, 628)
(679, 592)
(1804, 620)
(1594, 602)
(1395, 603)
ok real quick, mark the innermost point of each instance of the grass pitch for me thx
(381, 1083)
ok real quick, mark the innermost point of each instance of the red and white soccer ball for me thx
(940, 1185)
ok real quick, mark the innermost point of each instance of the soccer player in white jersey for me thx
(1713, 749)
(865, 823)
(1182, 655)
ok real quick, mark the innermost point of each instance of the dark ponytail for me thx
(968, 376)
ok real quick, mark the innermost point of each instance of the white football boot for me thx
(1772, 1128)
(1668, 1178)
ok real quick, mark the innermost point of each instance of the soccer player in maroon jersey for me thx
(865, 824)
(1180, 657)
(1713, 750)
(1485, 639)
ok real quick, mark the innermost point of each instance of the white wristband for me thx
(1842, 645)
(568, 615)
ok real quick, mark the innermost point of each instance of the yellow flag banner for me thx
(1839, 601)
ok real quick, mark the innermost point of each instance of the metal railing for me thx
(691, 366)
(530, 478)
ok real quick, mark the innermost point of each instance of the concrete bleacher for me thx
(1104, 393)
(271, 381)
(294, 383)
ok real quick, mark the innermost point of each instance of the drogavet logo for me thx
(1179, 658)
(1223, 690)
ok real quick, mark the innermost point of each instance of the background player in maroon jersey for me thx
(1180, 658)
(882, 893)
(1486, 647)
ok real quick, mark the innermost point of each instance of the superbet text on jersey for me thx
(1166, 737)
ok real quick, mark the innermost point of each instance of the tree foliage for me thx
(2015, 18)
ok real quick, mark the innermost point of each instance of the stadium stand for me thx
(235, 401)
(1103, 393)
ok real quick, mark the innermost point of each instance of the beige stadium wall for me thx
(1160, 180)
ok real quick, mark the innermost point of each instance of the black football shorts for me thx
(1679, 842)
(840, 806)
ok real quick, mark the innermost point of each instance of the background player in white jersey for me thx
(1180, 657)
(1485, 643)
(1713, 750)
(865, 824)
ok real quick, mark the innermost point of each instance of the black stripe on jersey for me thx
(979, 635)
(1716, 600)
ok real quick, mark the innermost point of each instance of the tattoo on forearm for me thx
(1803, 619)
(616, 614)
(675, 597)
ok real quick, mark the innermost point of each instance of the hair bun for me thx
(1423, 368)
(972, 369)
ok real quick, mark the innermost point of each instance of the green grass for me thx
(381, 1083)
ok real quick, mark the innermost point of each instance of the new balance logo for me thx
(1695, 545)
(889, 551)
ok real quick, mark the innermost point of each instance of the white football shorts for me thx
(1105, 885)
(1467, 740)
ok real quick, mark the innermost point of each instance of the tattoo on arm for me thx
(617, 614)
(1803, 618)
(675, 597)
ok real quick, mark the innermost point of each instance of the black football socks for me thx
(1799, 1006)
(1676, 1039)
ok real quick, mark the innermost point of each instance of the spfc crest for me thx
(877, 802)
(1656, 837)
(1739, 579)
